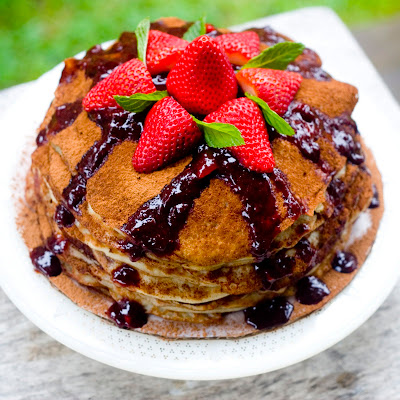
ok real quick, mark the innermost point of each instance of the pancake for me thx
(249, 252)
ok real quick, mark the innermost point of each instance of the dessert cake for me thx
(193, 182)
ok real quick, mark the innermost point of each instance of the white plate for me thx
(378, 117)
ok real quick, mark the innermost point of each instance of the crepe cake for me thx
(203, 245)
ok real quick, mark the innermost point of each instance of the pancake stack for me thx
(246, 239)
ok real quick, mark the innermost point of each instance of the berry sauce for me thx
(126, 276)
(117, 126)
(375, 198)
(155, 226)
(128, 314)
(308, 65)
(269, 314)
(311, 124)
(63, 217)
(160, 81)
(311, 290)
(280, 265)
(344, 262)
(63, 117)
(56, 244)
(45, 261)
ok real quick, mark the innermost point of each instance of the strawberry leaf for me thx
(220, 135)
(277, 56)
(140, 101)
(142, 37)
(271, 117)
(197, 29)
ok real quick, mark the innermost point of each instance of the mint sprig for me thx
(197, 29)
(276, 57)
(272, 118)
(142, 37)
(219, 135)
(138, 102)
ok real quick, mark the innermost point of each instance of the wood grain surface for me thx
(366, 365)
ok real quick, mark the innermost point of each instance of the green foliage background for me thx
(37, 34)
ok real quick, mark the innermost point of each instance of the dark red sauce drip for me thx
(127, 314)
(280, 265)
(269, 314)
(308, 66)
(269, 36)
(310, 124)
(45, 261)
(63, 217)
(99, 63)
(336, 191)
(126, 276)
(117, 126)
(56, 244)
(344, 262)
(311, 290)
(155, 226)
(160, 81)
(63, 117)
(375, 198)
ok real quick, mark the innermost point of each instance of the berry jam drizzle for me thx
(63, 117)
(155, 226)
(126, 276)
(311, 124)
(117, 126)
(63, 217)
(308, 65)
(311, 290)
(98, 63)
(344, 262)
(160, 81)
(269, 314)
(375, 198)
(280, 265)
(44, 258)
(128, 314)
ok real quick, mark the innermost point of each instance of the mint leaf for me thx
(220, 135)
(139, 101)
(272, 118)
(277, 56)
(197, 29)
(142, 37)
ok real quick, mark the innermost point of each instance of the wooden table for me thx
(366, 365)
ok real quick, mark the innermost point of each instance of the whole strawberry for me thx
(240, 47)
(127, 79)
(256, 153)
(163, 51)
(203, 78)
(169, 134)
(277, 88)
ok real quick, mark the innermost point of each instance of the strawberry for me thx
(277, 88)
(163, 51)
(203, 78)
(240, 47)
(128, 78)
(210, 28)
(256, 153)
(169, 134)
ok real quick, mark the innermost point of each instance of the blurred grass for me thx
(35, 35)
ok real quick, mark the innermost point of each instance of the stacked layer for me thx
(185, 247)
